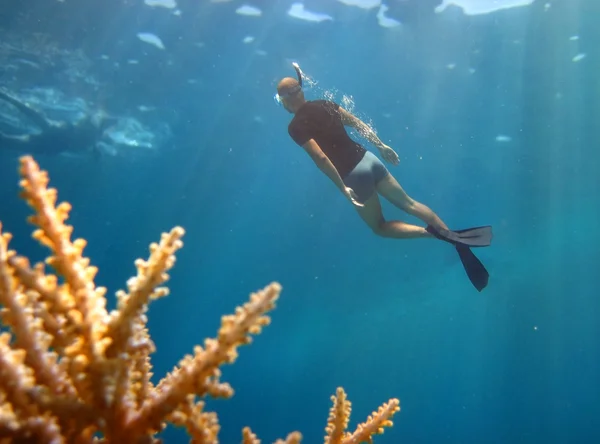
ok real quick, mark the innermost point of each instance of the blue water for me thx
(518, 363)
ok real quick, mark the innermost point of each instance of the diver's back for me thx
(321, 120)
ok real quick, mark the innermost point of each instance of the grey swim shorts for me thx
(364, 177)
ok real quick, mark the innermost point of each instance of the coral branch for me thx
(339, 415)
(143, 288)
(248, 437)
(28, 330)
(69, 262)
(292, 438)
(374, 424)
(195, 375)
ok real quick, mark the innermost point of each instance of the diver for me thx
(54, 137)
(318, 126)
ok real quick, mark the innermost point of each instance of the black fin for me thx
(476, 236)
(476, 272)
(470, 237)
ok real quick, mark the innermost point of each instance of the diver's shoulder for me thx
(322, 102)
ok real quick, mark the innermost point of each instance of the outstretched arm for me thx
(367, 132)
(32, 114)
(322, 161)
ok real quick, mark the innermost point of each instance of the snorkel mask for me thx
(291, 91)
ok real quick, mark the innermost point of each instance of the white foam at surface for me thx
(384, 21)
(298, 11)
(248, 10)
(170, 4)
(364, 4)
(476, 7)
(151, 39)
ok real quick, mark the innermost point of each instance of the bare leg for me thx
(372, 215)
(389, 188)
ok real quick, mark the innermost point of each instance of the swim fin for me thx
(476, 272)
(470, 237)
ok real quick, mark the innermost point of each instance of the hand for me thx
(352, 197)
(389, 155)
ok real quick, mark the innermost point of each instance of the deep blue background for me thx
(383, 318)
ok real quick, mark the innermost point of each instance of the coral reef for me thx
(73, 372)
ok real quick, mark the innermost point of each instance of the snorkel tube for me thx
(294, 90)
(299, 73)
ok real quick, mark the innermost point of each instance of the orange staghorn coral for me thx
(72, 372)
(339, 416)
